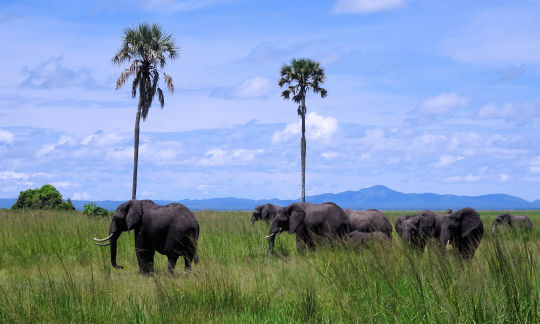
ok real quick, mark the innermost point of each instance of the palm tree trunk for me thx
(136, 149)
(303, 150)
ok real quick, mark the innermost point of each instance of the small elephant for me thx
(171, 230)
(361, 238)
(265, 212)
(517, 221)
(369, 221)
(416, 230)
(462, 229)
(312, 223)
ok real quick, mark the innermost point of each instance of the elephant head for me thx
(463, 229)
(415, 230)
(126, 217)
(286, 219)
(264, 212)
(504, 219)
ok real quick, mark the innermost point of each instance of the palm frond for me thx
(169, 82)
(146, 47)
(122, 79)
(161, 97)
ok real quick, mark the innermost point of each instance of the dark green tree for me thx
(46, 197)
(147, 48)
(300, 77)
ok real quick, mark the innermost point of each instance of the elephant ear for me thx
(297, 217)
(265, 212)
(507, 218)
(467, 220)
(426, 224)
(134, 214)
(397, 226)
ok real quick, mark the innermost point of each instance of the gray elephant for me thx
(265, 212)
(369, 221)
(312, 223)
(359, 238)
(462, 229)
(513, 221)
(171, 230)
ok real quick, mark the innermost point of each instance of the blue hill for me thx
(379, 197)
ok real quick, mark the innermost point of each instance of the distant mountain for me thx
(7, 202)
(379, 197)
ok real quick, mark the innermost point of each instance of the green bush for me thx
(46, 197)
(91, 209)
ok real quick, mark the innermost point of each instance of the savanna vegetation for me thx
(46, 197)
(50, 271)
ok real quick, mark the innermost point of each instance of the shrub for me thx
(91, 209)
(46, 197)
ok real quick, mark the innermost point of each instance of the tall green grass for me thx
(51, 271)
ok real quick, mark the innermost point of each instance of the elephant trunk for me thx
(113, 244)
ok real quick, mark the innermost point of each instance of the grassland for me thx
(51, 272)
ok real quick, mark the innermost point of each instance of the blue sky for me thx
(423, 96)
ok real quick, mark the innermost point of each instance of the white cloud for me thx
(254, 88)
(12, 175)
(447, 160)
(105, 139)
(367, 6)
(503, 177)
(63, 140)
(329, 155)
(523, 112)
(81, 196)
(534, 166)
(45, 149)
(317, 127)
(468, 178)
(218, 156)
(6, 136)
(442, 103)
(62, 184)
(52, 74)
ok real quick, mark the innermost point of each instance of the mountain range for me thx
(379, 197)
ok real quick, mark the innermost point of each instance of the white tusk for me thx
(103, 239)
(270, 235)
(103, 244)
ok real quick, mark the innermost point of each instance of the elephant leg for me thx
(172, 263)
(145, 258)
(189, 255)
(271, 244)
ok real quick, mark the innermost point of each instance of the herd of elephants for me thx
(173, 230)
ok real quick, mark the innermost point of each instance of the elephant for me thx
(416, 230)
(361, 238)
(312, 223)
(369, 221)
(517, 221)
(463, 229)
(265, 212)
(171, 230)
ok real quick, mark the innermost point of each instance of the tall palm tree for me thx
(300, 77)
(146, 47)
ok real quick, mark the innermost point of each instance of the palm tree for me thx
(300, 77)
(146, 48)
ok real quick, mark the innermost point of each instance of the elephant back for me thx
(369, 221)
(328, 215)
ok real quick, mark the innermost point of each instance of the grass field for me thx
(50, 271)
